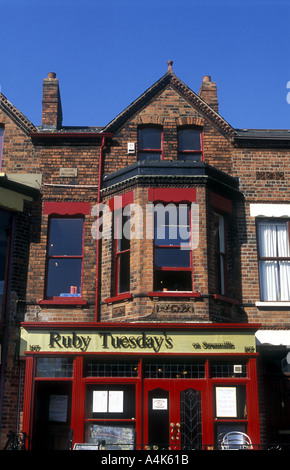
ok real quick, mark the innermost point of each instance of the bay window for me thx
(274, 260)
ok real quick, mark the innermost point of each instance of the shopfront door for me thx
(172, 414)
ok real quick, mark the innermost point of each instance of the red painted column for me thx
(28, 399)
(77, 412)
(253, 404)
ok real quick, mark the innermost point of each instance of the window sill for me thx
(119, 298)
(63, 301)
(173, 294)
(226, 299)
(272, 304)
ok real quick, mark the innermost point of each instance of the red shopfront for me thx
(139, 386)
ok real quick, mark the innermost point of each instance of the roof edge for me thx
(14, 114)
(171, 79)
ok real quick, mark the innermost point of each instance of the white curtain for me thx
(274, 274)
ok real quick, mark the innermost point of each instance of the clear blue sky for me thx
(107, 52)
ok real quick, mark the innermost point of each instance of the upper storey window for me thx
(150, 143)
(65, 257)
(190, 144)
(274, 260)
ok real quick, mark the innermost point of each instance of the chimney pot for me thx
(207, 78)
(51, 75)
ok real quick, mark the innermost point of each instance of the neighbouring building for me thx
(147, 289)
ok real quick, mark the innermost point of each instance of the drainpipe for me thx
(98, 250)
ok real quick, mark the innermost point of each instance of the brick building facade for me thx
(144, 336)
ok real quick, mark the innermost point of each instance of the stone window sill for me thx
(273, 304)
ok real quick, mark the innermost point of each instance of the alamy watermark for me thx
(173, 224)
(288, 94)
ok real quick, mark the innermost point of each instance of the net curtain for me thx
(274, 273)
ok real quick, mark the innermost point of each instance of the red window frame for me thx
(174, 268)
(175, 196)
(65, 257)
(223, 207)
(121, 254)
(65, 210)
(147, 149)
(221, 256)
(119, 203)
(190, 151)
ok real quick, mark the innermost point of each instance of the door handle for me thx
(175, 431)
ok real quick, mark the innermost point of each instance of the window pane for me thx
(172, 281)
(100, 401)
(283, 241)
(124, 272)
(123, 244)
(273, 240)
(54, 367)
(285, 280)
(64, 277)
(189, 139)
(149, 138)
(123, 233)
(95, 368)
(219, 233)
(66, 237)
(172, 257)
(269, 281)
(171, 224)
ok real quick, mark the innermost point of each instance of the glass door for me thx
(172, 415)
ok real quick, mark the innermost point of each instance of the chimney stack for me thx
(208, 92)
(51, 103)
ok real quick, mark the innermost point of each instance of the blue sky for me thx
(107, 52)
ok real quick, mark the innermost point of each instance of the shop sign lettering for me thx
(143, 341)
(110, 341)
(205, 345)
(69, 341)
